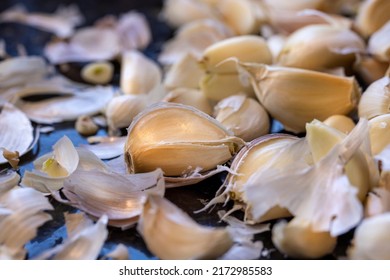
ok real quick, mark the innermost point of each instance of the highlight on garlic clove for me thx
(342, 123)
(371, 239)
(379, 133)
(371, 16)
(298, 239)
(333, 46)
(178, 139)
(379, 43)
(296, 96)
(375, 100)
(244, 116)
(169, 233)
(190, 97)
(86, 126)
(98, 73)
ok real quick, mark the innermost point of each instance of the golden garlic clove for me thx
(376, 99)
(98, 73)
(242, 115)
(379, 133)
(321, 46)
(170, 233)
(372, 15)
(341, 123)
(296, 96)
(248, 48)
(298, 239)
(296, 5)
(369, 69)
(379, 43)
(178, 139)
(190, 97)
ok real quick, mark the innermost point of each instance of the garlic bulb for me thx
(376, 99)
(342, 123)
(170, 233)
(244, 116)
(178, 139)
(372, 15)
(379, 43)
(334, 47)
(296, 96)
(379, 133)
(190, 97)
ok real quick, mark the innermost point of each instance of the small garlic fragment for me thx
(242, 115)
(340, 122)
(190, 97)
(98, 73)
(85, 126)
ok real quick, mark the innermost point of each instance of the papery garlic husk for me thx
(379, 133)
(98, 73)
(372, 15)
(219, 86)
(108, 147)
(186, 72)
(298, 239)
(296, 96)
(371, 239)
(244, 116)
(377, 202)
(178, 139)
(169, 233)
(8, 180)
(322, 138)
(190, 97)
(139, 74)
(334, 47)
(375, 100)
(342, 123)
(369, 69)
(248, 48)
(16, 131)
(379, 43)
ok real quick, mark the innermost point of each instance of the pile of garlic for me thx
(234, 70)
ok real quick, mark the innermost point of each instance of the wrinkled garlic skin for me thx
(321, 46)
(379, 43)
(244, 116)
(98, 73)
(297, 239)
(190, 97)
(379, 133)
(86, 126)
(342, 123)
(375, 100)
(178, 139)
(371, 239)
(372, 15)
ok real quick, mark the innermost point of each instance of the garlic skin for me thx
(86, 126)
(372, 15)
(334, 47)
(178, 139)
(375, 100)
(379, 43)
(296, 96)
(297, 239)
(169, 233)
(98, 73)
(244, 116)
(342, 123)
(371, 239)
(190, 97)
(379, 133)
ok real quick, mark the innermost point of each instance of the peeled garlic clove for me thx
(295, 5)
(139, 74)
(98, 73)
(238, 14)
(186, 73)
(248, 48)
(379, 43)
(379, 133)
(178, 139)
(190, 97)
(169, 233)
(334, 47)
(372, 15)
(341, 123)
(244, 116)
(296, 96)
(297, 239)
(371, 239)
(370, 69)
(86, 126)
(219, 86)
(376, 99)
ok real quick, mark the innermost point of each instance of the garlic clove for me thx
(190, 97)
(169, 233)
(178, 139)
(369, 69)
(295, 5)
(379, 133)
(86, 126)
(379, 43)
(244, 116)
(371, 16)
(98, 73)
(342, 123)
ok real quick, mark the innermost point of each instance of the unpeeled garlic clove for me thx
(296, 96)
(379, 43)
(369, 69)
(98, 73)
(169, 233)
(244, 116)
(298, 239)
(379, 133)
(190, 97)
(321, 46)
(178, 139)
(376, 99)
(372, 15)
(341, 123)
(248, 48)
